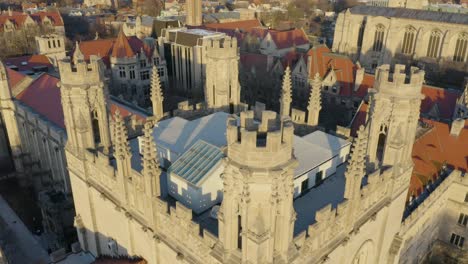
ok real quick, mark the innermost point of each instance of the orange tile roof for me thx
(43, 96)
(359, 119)
(322, 61)
(19, 18)
(14, 78)
(289, 38)
(31, 60)
(104, 48)
(241, 25)
(445, 100)
(366, 84)
(434, 149)
(121, 47)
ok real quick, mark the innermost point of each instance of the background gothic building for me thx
(435, 41)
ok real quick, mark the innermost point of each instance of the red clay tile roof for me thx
(122, 48)
(104, 48)
(242, 25)
(445, 100)
(289, 38)
(43, 96)
(317, 64)
(359, 119)
(14, 78)
(322, 60)
(433, 149)
(292, 57)
(124, 111)
(366, 84)
(250, 60)
(19, 18)
(32, 61)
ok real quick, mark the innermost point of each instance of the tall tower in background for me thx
(222, 88)
(194, 12)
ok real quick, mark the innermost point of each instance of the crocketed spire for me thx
(315, 101)
(157, 97)
(121, 145)
(286, 99)
(149, 148)
(356, 168)
(150, 161)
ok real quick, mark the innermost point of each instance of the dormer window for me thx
(143, 63)
(334, 89)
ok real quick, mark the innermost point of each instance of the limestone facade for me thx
(194, 12)
(204, 65)
(53, 46)
(36, 149)
(129, 64)
(256, 220)
(380, 35)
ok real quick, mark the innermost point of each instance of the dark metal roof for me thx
(415, 14)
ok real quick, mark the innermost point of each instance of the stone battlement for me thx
(81, 71)
(224, 47)
(260, 145)
(399, 78)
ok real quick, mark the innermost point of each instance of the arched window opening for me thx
(434, 44)
(460, 48)
(378, 38)
(381, 143)
(95, 123)
(239, 232)
(408, 40)
(361, 34)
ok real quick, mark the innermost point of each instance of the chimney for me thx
(457, 126)
(359, 77)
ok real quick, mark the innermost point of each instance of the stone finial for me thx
(121, 145)
(356, 168)
(77, 54)
(157, 97)
(315, 101)
(286, 98)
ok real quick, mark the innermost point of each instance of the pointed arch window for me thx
(434, 44)
(95, 124)
(461, 47)
(408, 40)
(378, 38)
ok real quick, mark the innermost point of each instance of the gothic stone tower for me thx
(256, 218)
(84, 100)
(194, 12)
(222, 90)
(393, 116)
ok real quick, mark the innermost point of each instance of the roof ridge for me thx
(121, 47)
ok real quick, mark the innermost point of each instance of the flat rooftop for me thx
(178, 135)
